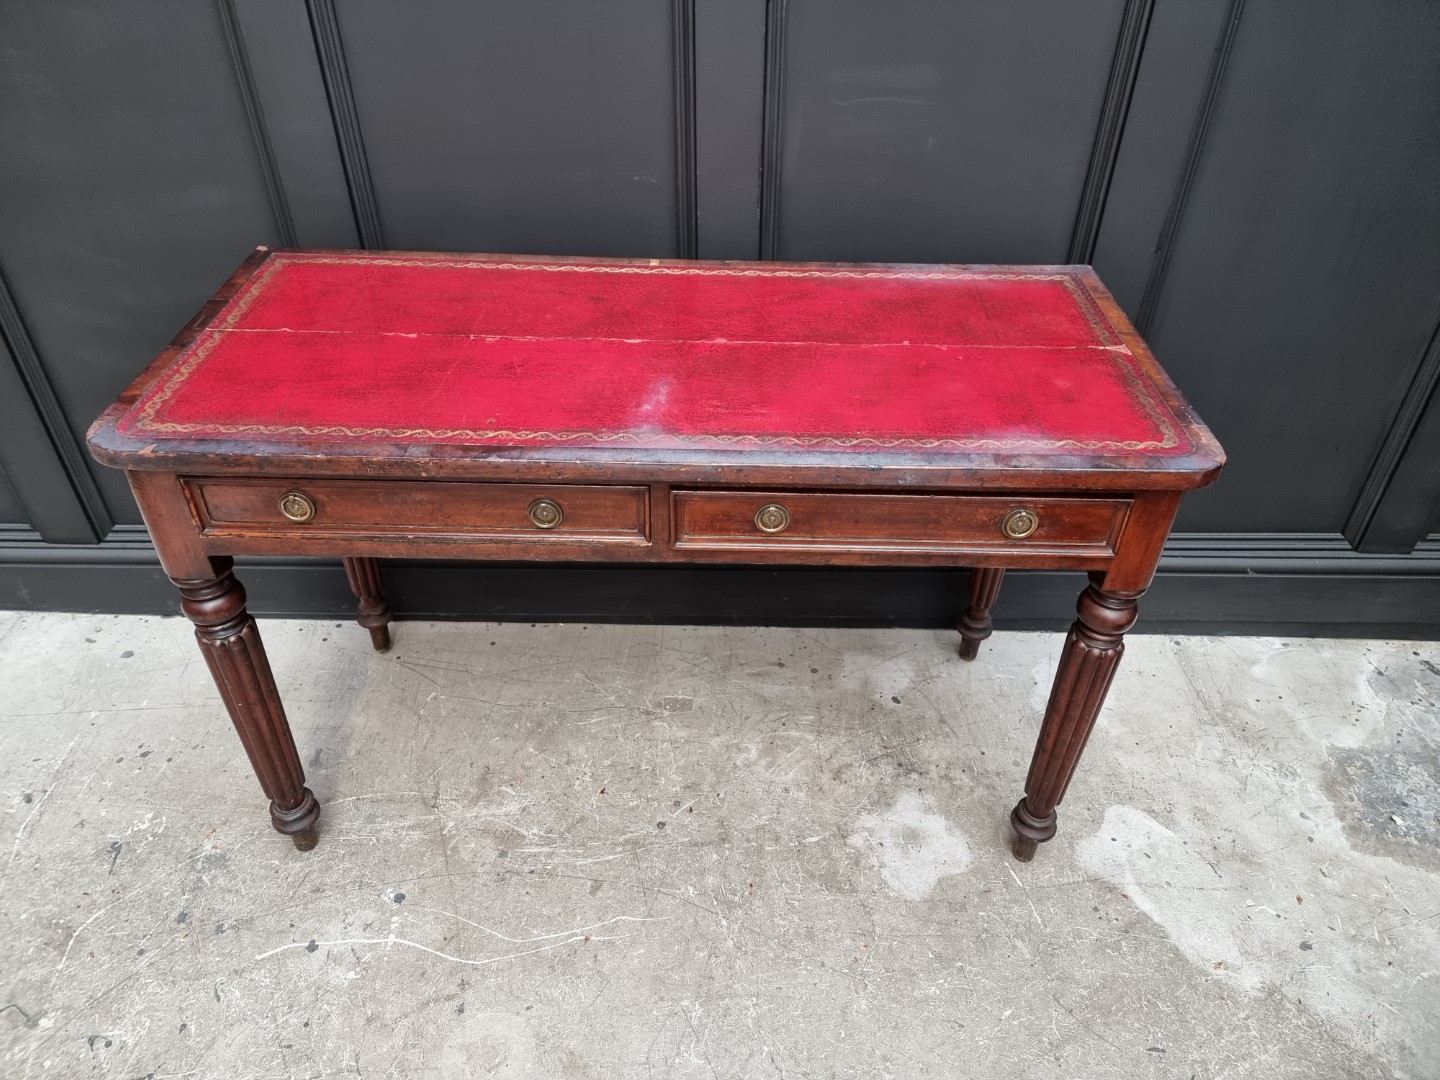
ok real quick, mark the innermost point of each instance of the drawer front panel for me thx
(855, 522)
(530, 512)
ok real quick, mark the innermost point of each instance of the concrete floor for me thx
(619, 851)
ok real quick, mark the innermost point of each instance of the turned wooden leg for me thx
(231, 644)
(1087, 665)
(975, 625)
(373, 612)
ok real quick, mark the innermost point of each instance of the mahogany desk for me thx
(379, 404)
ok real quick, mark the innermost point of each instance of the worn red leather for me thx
(374, 346)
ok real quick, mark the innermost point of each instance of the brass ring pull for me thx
(297, 506)
(545, 514)
(772, 518)
(1019, 523)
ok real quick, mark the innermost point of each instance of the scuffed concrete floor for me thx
(620, 851)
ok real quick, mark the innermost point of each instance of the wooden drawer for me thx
(888, 523)
(426, 509)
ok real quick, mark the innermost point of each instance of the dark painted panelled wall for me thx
(1257, 180)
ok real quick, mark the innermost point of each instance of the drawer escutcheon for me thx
(1019, 523)
(297, 506)
(545, 514)
(772, 518)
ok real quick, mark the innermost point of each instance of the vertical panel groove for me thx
(255, 117)
(687, 225)
(772, 135)
(1129, 48)
(52, 417)
(1422, 391)
(1160, 266)
(330, 50)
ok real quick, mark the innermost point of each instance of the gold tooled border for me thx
(143, 417)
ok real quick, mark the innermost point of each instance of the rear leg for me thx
(372, 612)
(975, 625)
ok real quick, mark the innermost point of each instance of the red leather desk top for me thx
(357, 347)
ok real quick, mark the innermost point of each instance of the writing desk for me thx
(373, 404)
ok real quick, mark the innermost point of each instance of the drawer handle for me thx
(1019, 523)
(545, 514)
(772, 518)
(297, 506)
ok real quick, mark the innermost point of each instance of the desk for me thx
(373, 404)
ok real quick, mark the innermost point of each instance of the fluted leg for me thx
(373, 612)
(975, 625)
(231, 644)
(1087, 666)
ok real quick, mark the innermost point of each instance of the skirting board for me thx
(1299, 584)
